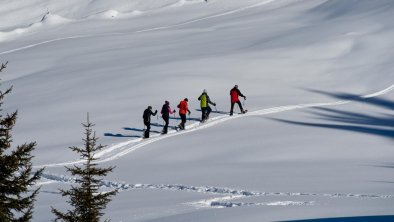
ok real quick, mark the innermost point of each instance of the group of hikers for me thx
(183, 107)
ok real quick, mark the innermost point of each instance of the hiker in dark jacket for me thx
(204, 104)
(235, 93)
(165, 114)
(147, 114)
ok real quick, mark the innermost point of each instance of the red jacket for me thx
(235, 93)
(183, 107)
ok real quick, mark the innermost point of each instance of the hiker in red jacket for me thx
(235, 93)
(183, 109)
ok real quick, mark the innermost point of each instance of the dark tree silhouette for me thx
(16, 176)
(86, 199)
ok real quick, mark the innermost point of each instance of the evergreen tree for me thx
(16, 176)
(86, 200)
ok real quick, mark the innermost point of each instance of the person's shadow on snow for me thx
(121, 135)
(127, 135)
(187, 118)
(140, 130)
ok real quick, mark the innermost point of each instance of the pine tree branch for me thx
(3, 66)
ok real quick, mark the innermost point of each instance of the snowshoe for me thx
(245, 111)
(179, 127)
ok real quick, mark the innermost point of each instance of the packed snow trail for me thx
(121, 149)
(138, 31)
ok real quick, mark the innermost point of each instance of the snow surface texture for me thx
(317, 141)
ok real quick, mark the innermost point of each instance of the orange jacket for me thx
(183, 107)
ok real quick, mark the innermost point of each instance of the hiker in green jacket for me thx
(204, 103)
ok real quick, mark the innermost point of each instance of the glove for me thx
(214, 104)
(174, 111)
(245, 97)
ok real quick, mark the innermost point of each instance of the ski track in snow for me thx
(209, 17)
(225, 200)
(121, 149)
(139, 31)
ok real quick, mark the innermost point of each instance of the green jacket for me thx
(204, 100)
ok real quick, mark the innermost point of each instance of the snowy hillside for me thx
(318, 75)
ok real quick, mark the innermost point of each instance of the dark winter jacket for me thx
(147, 114)
(166, 111)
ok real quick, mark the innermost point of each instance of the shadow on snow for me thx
(137, 130)
(374, 124)
(216, 111)
(162, 125)
(352, 97)
(187, 119)
(387, 218)
(121, 135)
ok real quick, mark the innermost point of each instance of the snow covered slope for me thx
(317, 141)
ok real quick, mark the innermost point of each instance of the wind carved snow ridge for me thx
(121, 149)
(236, 193)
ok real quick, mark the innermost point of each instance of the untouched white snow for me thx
(317, 141)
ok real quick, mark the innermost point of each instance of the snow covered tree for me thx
(16, 176)
(86, 199)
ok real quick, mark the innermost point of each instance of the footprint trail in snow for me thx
(224, 197)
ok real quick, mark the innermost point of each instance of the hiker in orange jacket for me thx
(183, 109)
